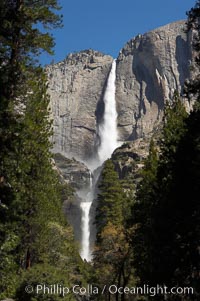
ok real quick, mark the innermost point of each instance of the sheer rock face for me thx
(76, 88)
(149, 69)
(73, 172)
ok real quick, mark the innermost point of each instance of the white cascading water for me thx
(85, 223)
(108, 128)
(108, 143)
(85, 252)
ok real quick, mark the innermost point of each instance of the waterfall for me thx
(108, 143)
(85, 251)
(85, 206)
(108, 128)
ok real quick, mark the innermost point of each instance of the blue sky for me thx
(106, 25)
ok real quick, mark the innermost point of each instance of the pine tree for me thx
(141, 220)
(167, 252)
(111, 198)
(192, 87)
(30, 192)
(20, 42)
(184, 190)
(112, 254)
(155, 211)
(186, 210)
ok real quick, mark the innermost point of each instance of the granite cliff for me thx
(76, 87)
(150, 68)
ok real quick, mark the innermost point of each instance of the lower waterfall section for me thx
(85, 225)
(87, 206)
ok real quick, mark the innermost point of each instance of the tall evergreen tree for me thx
(168, 252)
(111, 198)
(141, 220)
(30, 192)
(154, 212)
(112, 253)
(185, 189)
(192, 88)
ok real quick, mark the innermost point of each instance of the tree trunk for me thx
(28, 259)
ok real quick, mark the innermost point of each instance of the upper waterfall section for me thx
(149, 69)
(108, 127)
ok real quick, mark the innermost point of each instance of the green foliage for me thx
(174, 126)
(18, 27)
(112, 260)
(112, 253)
(46, 276)
(141, 220)
(186, 210)
(193, 24)
(192, 87)
(111, 198)
(8, 263)
(36, 242)
(166, 214)
(153, 211)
